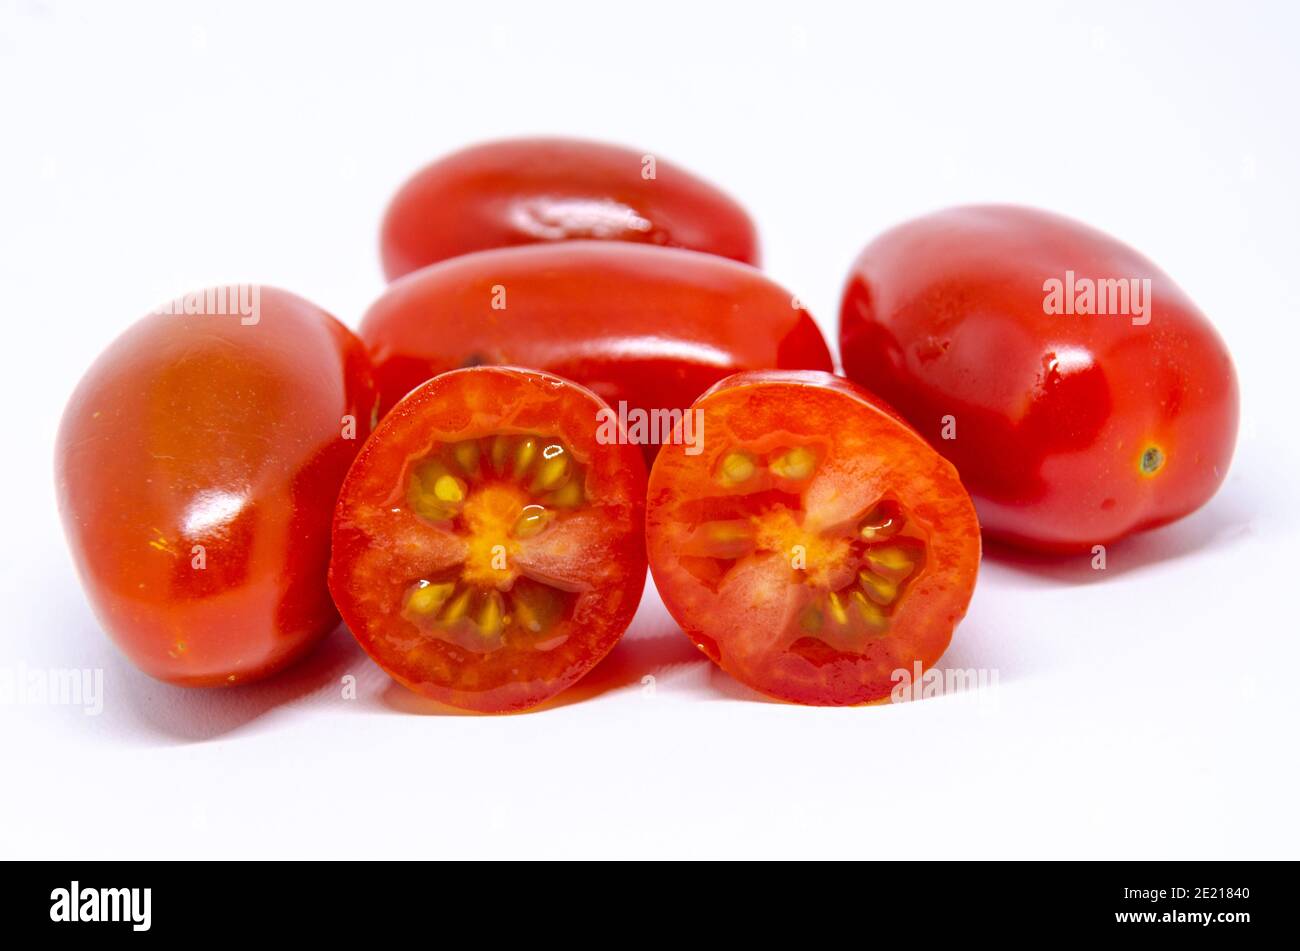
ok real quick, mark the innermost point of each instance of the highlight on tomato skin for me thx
(547, 190)
(1080, 393)
(816, 545)
(651, 327)
(488, 541)
(196, 469)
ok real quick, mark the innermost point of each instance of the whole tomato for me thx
(197, 466)
(1080, 393)
(652, 327)
(526, 191)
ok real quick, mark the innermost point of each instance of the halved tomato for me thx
(817, 544)
(488, 548)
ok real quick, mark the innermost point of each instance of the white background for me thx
(1146, 711)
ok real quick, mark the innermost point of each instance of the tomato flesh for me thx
(197, 465)
(651, 327)
(530, 191)
(1071, 429)
(488, 549)
(816, 545)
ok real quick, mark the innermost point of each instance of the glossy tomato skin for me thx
(197, 465)
(1071, 430)
(529, 604)
(816, 545)
(654, 327)
(529, 191)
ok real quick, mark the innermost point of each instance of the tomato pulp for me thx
(1078, 390)
(488, 546)
(529, 191)
(652, 327)
(197, 465)
(817, 544)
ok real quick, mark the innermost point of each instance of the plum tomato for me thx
(526, 191)
(1079, 392)
(488, 544)
(816, 545)
(654, 327)
(197, 466)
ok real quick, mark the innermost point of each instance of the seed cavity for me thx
(884, 519)
(736, 468)
(796, 464)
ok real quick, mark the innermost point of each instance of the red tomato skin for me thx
(453, 405)
(197, 465)
(945, 316)
(529, 191)
(654, 327)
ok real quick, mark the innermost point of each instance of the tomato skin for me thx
(652, 326)
(381, 545)
(526, 191)
(206, 431)
(945, 316)
(746, 608)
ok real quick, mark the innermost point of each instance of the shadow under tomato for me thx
(194, 715)
(1225, 521)
(636, 657)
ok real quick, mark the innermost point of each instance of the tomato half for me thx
(529, 191)
(654, 327)
(197, 466)
(816, 545)
(1080, 393)
(488, 546)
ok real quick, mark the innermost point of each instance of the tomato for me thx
(816, 545)
(652, 327)
(488, 546)
(1071, 427)
(197, 465)
(526, 191)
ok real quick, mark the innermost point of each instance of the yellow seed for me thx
(810, 619)
(878, 589)
(458, 607)
(730, 531)
(890, 561)
(466, 455)
(553, 471)
(737, 467)
(837, 609)
(567, 496)
(870, 613)
(532, 519)
(449, 489)
(798, 463)
(525, 455)
(491, 616)
(534, 608)
(500, 452)
(428, 598)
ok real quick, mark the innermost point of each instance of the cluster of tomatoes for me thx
(465, 480)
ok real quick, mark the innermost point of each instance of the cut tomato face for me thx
(817, 544)
(488, 547)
